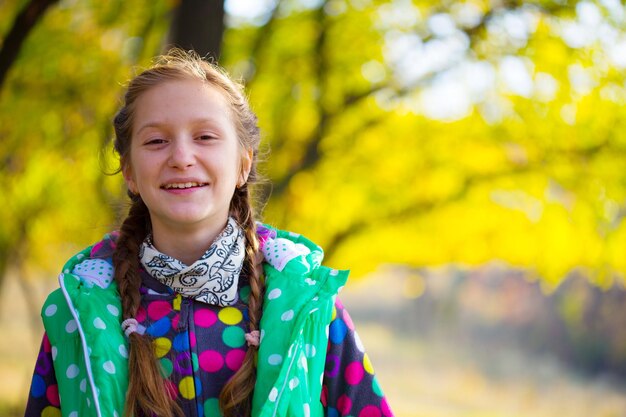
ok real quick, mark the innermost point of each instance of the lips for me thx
(183, 185)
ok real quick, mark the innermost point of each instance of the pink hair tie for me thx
(130, 326)
(253, 338)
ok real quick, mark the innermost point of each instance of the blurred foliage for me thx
(55, 112)
(400, 131)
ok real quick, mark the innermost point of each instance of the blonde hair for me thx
(147, 392)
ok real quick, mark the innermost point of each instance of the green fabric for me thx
(294, 334)
(297, 310)
(88, 348)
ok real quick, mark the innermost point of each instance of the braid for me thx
(235, 398)
(147, 393)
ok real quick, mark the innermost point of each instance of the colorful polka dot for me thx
(43, 366)
(287, 315)
(182, 364)
(233, 337)
(273, 394)
(72, 371)
(109, 367)
(166, 367)
(234, 359)
(376, 387)
(159, 328)
(113, 310)
(50, 310)
(359, 343)
(275, 293)
(367, 364)
(370, 411)
(71, 326)
(344, 405)
(52, 394)
(309, 351)
(181, 342)
(211, 361)
(338, 331)
(354, 373)
(384, 407)
(186, 388)
(123, 351)
(194, 362)
(38, 386)
(204, 318)
(162, 345)
(159, 309)
(212, 407)
(230, 315)
(275, 359)
(348, 320)
(198, 386)
(244, 293)
(46, 343)
(51, 411)
(332, 366)
(332, 412)
(178, 300)
(98, 323)
(141, 314)
(324, 396)
(175, 319)
(293, 383)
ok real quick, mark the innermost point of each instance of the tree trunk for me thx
(198, 25)
(23, 24)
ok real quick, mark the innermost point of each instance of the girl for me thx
(193, 308)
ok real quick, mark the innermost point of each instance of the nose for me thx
(181, 154)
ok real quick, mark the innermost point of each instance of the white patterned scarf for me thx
(212, 279)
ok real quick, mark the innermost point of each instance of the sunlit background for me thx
(465, 159)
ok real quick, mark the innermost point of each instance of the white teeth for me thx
(182, 185)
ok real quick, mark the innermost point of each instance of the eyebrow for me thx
(158, 124)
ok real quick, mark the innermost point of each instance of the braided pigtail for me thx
(147, 393)
(236, 396)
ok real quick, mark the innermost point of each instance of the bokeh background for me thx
(465, 159)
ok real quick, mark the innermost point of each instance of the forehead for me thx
(181, 101)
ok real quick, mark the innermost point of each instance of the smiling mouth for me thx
(183, 185)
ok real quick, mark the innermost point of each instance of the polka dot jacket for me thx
(199, 347)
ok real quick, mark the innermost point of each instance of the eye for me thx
(206, 137)
(155, 141)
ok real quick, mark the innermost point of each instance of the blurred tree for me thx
(401, 131)
(22, 25)
(198, 25)
(55, 111)
(427, 133)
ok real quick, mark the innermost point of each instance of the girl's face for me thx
(185, 158)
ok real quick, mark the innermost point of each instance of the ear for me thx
(247, 156)
(127, 172)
